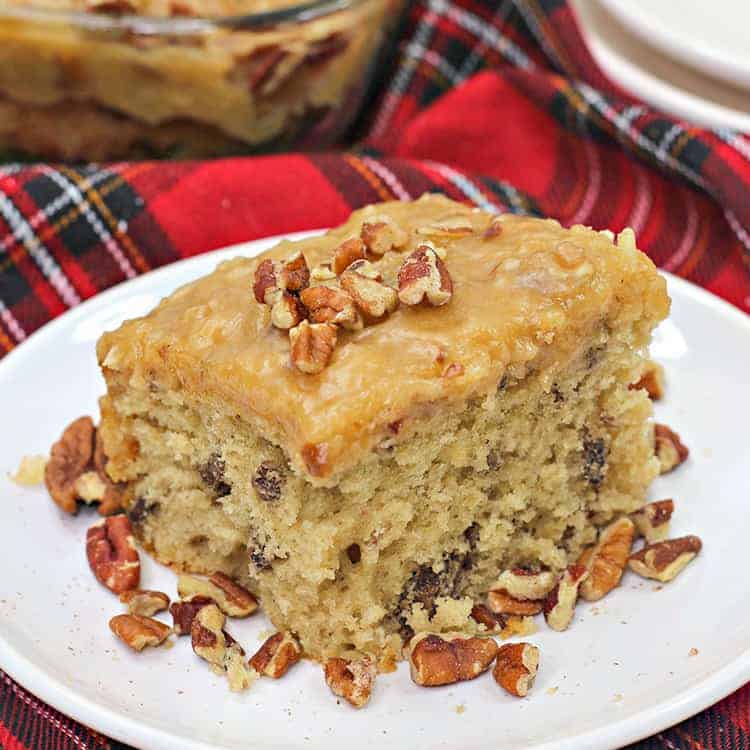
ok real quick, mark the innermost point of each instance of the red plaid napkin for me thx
(497, 103)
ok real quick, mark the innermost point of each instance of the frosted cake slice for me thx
(452, 401)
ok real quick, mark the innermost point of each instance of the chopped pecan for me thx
(272, 277)
(502, 603)
(521, 583)
(448, 227)
(295, 273)
(607, 559)
(112, 556)
(346, 253)
(436, 660)
(423, 277)
(287, 312)
(232, 598)
(138, 631)
(266, 287)
(652, 520)
(277, 654)
(561, 601)
(351, 680)
(668, 448)
(312, 346)
(213, 644)
(207, 635)
(381, 234)
(328, 304)
(651, 381)
(665, 560)
(485, 616)
(70, 457)
(144, 602)
(365, 285)
(516, 667)
(183, 612)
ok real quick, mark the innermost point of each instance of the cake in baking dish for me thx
(367, 427)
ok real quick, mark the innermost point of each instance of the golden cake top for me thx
(525, 293)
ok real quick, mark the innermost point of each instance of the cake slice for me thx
(373, 471)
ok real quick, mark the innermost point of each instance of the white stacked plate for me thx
(691, 60)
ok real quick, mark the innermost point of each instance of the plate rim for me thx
(706, 58)
(123, 728)
(656, 91)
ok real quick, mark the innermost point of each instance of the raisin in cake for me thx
(437, 445)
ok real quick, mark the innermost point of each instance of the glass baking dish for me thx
(95, 80)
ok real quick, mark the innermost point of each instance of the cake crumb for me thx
(460, 708)
(617, 697)
(657, 588)
(693, 652)
(30, 471)
(552, 690)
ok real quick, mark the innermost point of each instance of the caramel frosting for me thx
(527, 294)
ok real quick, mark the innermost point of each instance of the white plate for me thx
(709, 36)
(659, 80)
(623, 671)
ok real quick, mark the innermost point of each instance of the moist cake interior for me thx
(411, 534)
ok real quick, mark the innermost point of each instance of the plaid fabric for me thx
(495, 102)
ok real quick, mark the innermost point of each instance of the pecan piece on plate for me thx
(502, 603)
(232, 598)
(442, 660)
(669, 448)
(184, 612)
(652, 520)
(144, 602)
(70, 457)
(351, 680)
(277, 655)
(607, 559)
(112, 556)
(138, 632)
(524, 584)
(560, 603)
(516, 667)
(664, 561)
